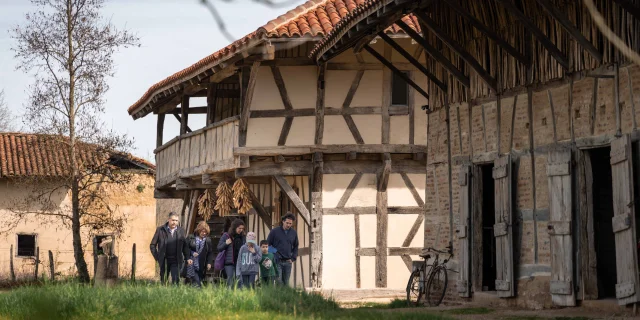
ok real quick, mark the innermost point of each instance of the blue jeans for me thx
(284, 272)
(248, 281)
(230, 270)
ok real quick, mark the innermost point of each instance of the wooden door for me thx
(559, 227)
(462, 231)
(624, 227)
(503, 230)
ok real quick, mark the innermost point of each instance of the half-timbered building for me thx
(532, 139)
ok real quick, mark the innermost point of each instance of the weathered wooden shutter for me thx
(462, 231)
(624, 227)
(559, 227)
(503, 230)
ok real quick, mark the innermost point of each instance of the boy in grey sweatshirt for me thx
(248, 265)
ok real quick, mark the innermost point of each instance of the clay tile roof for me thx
(25, 154)
(314, 18)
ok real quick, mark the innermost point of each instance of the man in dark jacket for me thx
(169, 248)
(285, 240)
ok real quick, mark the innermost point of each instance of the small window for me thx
(26, 245)
(399, 90)
(99, 240)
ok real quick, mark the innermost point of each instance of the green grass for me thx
(469, 311)
(77, 301)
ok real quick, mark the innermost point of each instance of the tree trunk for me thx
(78, 252)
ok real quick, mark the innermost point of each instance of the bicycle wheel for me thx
(414, 288)
(436, 286)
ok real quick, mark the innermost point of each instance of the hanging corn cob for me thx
(224, 201)
(242, 196)
(206, 204)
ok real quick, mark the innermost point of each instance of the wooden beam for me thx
(211, 103)
(316, 221)
(262, 213)
(347, 105)
(310, 112)
(373, 167)
(286, 101)
(334, 148)
(629, 7)
(247, 97)
(289, 168)
(192, 110)
(490, 33)
(167, 194)
(571, 29)
(457, 48)
(159, 130)
(383, 177)
(180, 120)
(372, 210)
(319, 112)
(395, 70)
(435, 53)
(188, 184)
(413, 61)
(184, 114)
(544, 40)
(347, 193)
(284, 132)
(297, 202)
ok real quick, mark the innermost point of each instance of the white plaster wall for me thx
(302, 132)
(369, 93)
(399, 130)
(370, 127)
(364, 195)
(301, 83)
(338, 252)
(264, 131)
(266, 95)
(337, 85)
(336, 131)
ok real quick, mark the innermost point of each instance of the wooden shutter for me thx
(463, 231)
(502, 230)
(624, 227)
(559, 227)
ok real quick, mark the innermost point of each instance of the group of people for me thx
(240, 258)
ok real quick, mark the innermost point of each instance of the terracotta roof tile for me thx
(314, 18)
(24, 154)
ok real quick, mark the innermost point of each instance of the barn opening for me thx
(488, 220)
(604, 238)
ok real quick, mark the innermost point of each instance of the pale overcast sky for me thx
(173, 34)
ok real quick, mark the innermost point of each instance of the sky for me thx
(173, 35)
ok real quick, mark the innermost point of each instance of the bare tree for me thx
(69, 48)
(6, 117)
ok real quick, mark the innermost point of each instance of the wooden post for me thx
(133, 263)
(184, 114)
(247, 97)
(35, 272)
(95, 256)
(381, 223)
(12, 272)
(616, 98)
(159, 130)
(386, 96)
(316, 221)
(320, 105)
(211, 103)
(52, 269)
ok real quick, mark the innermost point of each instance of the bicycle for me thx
(432, 285)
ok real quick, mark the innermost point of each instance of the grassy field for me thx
(76, 301)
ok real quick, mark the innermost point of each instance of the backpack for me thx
(221, 257)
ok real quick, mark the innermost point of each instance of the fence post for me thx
(133, 263)
(11, 271)
(52, 269)
(37, 263)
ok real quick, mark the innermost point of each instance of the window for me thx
(99, 239)
(399, 90)
(26, 245)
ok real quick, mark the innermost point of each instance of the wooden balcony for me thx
(207, 150)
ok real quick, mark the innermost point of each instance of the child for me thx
(248, 259)
(267, 264)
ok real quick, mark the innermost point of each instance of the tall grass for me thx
(77, 301)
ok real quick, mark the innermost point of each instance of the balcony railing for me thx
(206, 150)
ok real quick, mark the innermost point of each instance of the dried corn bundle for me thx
(224, 201)
(206, 204)
(242, 196)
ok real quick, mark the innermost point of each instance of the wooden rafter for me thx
(571, 29)
(395, 70)
(286, 101)
(435, 54)
(293, 196)
(413, 61)
(536, 32)
(180, 120)
(490, 33)
(457, 48)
